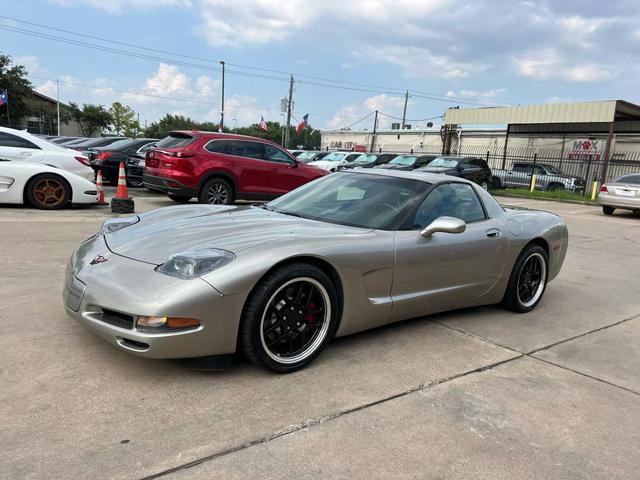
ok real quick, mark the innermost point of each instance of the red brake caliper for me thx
(310, 317)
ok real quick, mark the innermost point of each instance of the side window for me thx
(457, 200)
(276, 155)
(216, 146)
(539, 170)
(8, 140)
(243, 148)
(146, 147)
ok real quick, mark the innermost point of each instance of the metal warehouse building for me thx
(595, 140)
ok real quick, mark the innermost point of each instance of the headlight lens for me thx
(194, 264)
(114, 224)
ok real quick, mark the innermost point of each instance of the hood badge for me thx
(98, 259)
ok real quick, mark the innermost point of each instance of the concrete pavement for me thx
(475, 393)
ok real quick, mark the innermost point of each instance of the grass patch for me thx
(545, 195)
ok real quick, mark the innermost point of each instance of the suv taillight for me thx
(603, 189)
(83, 160)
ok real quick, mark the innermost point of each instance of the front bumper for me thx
(107, 297)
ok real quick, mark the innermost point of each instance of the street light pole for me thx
(221, 127)
(58, 104)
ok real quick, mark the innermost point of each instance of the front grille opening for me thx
(117, 319)
(135, 344)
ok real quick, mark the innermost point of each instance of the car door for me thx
(247, 160)
(471, 170)
(284, 174)
(13, 147)
(447, 270)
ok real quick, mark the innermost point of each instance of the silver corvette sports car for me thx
(345, 253)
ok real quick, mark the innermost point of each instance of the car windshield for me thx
(306, 155)
(121, 144)
(366, 158)
(444, 162)
(175, 140)
(335, 156)
(404, 160)
(355, 199)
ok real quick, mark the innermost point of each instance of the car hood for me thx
(166, 231)
(325, 164)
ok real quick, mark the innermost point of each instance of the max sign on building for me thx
(586, 149)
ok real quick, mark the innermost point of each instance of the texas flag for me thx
(303, 124)
(263, 124)
(4, 97)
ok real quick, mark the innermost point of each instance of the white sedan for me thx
(42, 186)
(19, 145)
(334, 160)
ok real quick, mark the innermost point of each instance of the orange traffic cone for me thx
(122, 203)
(100, 189)
(122, 191)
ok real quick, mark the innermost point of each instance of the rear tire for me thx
(289, 318)
(528, 280)
(217, 191)
(179, 198)
(484, 184)
(608, 210)
(48, 191)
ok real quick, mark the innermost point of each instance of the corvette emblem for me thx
(98, 259)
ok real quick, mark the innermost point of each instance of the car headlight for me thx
(114, 224)
(195, 263)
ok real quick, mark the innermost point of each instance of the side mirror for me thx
(445, 225)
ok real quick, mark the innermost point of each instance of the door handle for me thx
(494, 233)
(25, 154)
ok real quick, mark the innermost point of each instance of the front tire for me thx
(48, 192)
(289, 318)
(217, 191)
(528, 280)
(485, 184)
(608, 210)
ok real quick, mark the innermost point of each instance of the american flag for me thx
(263, 124)
(4, 97)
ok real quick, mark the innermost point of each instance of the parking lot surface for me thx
(477, 393)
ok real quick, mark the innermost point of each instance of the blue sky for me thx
(467, 53)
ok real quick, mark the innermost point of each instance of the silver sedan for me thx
(345, 253)
(622, 193)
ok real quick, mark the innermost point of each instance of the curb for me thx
(558, 200)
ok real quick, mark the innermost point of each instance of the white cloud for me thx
(385, 104)
(418, 62)
(549, 64)
(254, 22)
(487, 96)
(30, 62)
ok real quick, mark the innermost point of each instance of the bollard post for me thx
(594, 190)
(533, 183)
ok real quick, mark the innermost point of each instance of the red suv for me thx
(220, 168)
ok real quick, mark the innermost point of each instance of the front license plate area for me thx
(75, 292)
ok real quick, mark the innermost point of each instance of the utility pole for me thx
(58, 104)
(287, 133)
(221, 127)
(373, 135)
(404, 112)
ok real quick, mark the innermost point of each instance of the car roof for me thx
(426, 177)
(220, 135)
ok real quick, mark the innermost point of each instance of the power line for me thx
(327, 83)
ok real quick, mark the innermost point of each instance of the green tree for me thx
(124, 119)
(162, 127)
(93, 119)
(13, 78)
